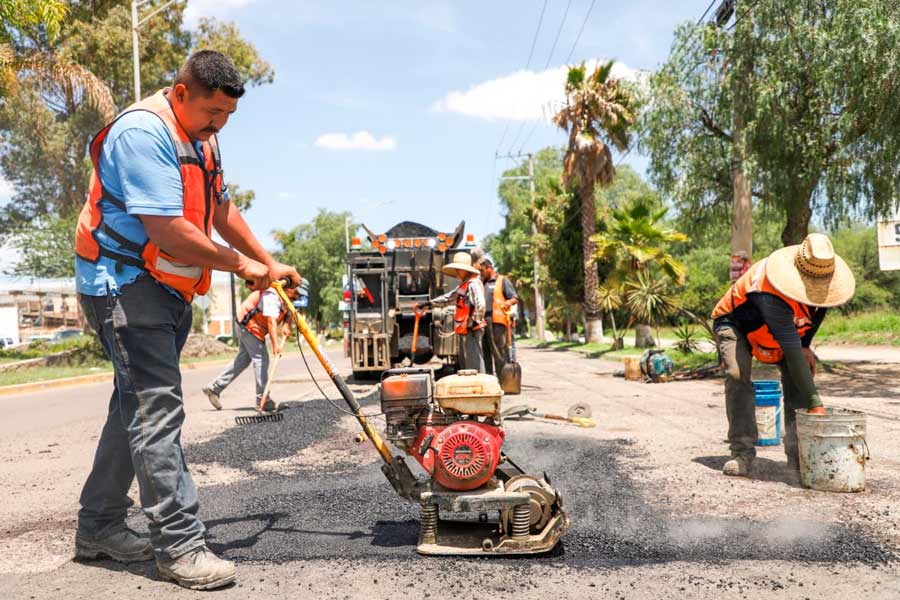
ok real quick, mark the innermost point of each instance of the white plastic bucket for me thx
(833, 451)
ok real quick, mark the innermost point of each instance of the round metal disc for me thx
(579, 410)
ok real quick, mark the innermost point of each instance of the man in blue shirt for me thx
(144, 249)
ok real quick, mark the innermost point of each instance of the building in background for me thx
(38, 307)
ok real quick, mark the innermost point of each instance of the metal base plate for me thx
(456, 538)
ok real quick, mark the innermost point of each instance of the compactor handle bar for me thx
(395, 469)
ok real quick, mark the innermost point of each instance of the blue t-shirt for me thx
(138, 165)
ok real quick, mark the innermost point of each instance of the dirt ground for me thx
(306, 513)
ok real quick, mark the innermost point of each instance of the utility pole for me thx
(135, 52)
(538, 297)
(742, 201)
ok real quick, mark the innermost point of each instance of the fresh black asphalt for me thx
(345, 510)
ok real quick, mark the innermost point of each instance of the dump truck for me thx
(388, 275)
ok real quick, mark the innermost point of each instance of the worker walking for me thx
(500, 296)
(468, 297)
(772, 313)
(157, 184)
(261, 314)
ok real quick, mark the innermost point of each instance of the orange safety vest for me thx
(498, 312)
(464, 310)
(250, 316)
(202, 185)
(763, 344)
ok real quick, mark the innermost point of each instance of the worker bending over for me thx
(772, 313)
(500, 296)
(468, 298)
(144, 249)
(261, 314)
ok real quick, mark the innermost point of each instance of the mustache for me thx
(210, 130)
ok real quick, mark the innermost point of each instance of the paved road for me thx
(307, 513)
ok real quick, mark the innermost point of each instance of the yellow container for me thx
(470, 393)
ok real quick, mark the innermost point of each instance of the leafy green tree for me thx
(68, 86)
(636, 246)
(813, 84)
(317, 251)
(599, 112)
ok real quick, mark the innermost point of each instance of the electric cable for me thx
(705, 12)
(739, 18)
(321, 391)
(546, 66)
(580, 31)
(537, 31)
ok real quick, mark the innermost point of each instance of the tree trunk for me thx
(797, 226)
(593, 329)
(643, 336)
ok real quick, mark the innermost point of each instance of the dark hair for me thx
(208, 70)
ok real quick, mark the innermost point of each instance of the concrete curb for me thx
(37, 386)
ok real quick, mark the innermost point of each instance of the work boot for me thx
(198, 569)
(269, 406)
(124, 546)
(213, 397)
(738, 466)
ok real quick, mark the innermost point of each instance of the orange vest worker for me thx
(763, 345)
(202, 185)
(252, 319)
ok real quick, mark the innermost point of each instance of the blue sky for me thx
(394, 109)
(397, 82)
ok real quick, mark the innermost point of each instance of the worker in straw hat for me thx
(468, 298)
(772, 313)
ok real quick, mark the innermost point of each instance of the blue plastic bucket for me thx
(768, 412)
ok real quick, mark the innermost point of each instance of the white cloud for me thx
(211, 8)
(361, 140)
(520, 96)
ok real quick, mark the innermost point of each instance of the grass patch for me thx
(877, 328)
(48, 374)
(35, 374)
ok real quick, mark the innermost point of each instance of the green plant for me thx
(649, 299)
(688, 338)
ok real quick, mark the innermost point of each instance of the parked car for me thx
(39, 338)
(6, 343)
(65, 334)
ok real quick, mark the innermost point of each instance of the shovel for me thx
(511, 373)
(530, 411)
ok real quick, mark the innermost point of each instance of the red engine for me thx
(457, 443)
(460, 456)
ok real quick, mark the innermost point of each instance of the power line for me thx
(740, 17)
(537, 31)
(580, 31)
(558, 32)
(705, 12)
(631, 146)
(537, 122)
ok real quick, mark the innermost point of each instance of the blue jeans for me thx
(252, 351)
(142, 331)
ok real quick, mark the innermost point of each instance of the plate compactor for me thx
(454, 430)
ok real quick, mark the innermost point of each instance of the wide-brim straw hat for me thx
(811, 273)
(460, 267)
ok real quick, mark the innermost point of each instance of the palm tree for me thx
(634, 243)
(610, 297)
(599, 112)
(63, 82)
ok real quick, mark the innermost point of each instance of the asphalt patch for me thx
(339, 511)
